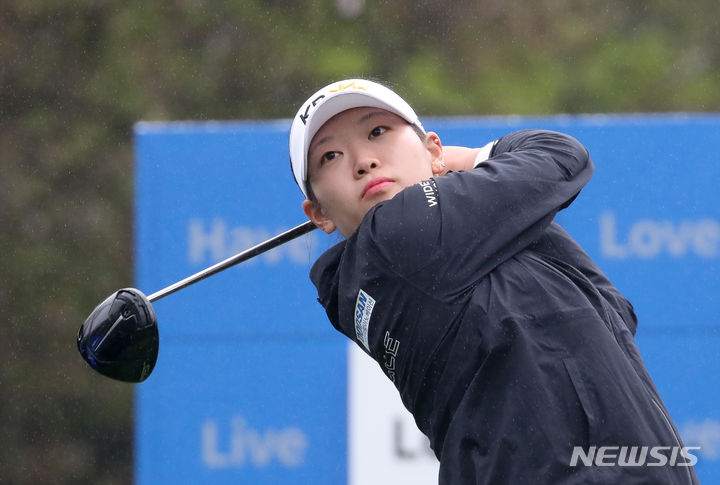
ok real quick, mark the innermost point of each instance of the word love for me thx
(646, 238)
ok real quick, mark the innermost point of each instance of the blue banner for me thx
(251, 381)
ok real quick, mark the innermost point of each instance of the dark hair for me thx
(311, 195)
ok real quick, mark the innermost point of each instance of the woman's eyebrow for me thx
(315, 144)
(369, 115)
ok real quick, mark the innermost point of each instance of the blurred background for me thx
(75, 77)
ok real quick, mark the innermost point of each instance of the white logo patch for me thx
(430, 190)
(363, 309)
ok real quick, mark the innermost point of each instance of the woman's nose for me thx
(365, 164)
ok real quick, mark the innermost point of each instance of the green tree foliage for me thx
(76, 76)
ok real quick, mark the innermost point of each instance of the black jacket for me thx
(506, 342)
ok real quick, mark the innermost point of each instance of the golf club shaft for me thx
(275, 241)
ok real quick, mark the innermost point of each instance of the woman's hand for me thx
(458, 158)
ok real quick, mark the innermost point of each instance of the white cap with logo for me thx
(331, 100)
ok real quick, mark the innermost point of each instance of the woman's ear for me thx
(314, 212)
(435, 148)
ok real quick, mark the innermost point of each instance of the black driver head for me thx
(120, 337)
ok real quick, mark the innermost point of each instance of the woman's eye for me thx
(327, 156)
(377, 131)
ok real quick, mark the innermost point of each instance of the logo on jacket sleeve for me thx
(429, 189)
(391, 350)
(363, 309)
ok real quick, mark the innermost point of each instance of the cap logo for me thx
(348, 86)
(304, 117)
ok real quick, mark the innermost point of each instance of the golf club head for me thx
(120, 337)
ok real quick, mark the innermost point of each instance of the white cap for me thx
(330, 101)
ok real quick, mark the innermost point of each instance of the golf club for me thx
(120, 337)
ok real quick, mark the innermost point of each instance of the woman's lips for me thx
(375, 186)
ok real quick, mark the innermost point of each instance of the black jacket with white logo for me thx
(509, 346)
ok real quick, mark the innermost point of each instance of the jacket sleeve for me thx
(449, 232)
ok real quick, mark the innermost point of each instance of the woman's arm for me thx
(462, 158)
(483, 216)
(458, 158)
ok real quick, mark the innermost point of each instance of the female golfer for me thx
(511, 349)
